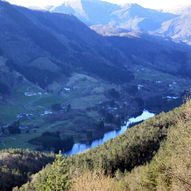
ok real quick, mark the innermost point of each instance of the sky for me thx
(154, 4)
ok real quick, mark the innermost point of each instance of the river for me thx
(78, 147)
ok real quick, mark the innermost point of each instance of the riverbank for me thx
(78, 147)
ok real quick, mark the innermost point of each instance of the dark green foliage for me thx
(1, 52)
(53, 40)
(109, 117)
(35, 75)
(14, 128)
(100, 125)
(68, 107)
(53, 178)
(61, 39)
(113, 93)
(137, 146)
(57, 178)
(17, 165)
(165, 56)
(38, 76)
(117, 121)
(158, 103)
(4, 89)
(47, 41)
(56, 107)
(53, 142)
(41, 37)
(140, 102)
(131, 89)
(113, 74)
(41, 77)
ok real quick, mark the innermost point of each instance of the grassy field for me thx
(85, 92)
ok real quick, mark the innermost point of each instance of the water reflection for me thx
(78, 147)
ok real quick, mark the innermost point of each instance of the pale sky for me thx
(155, 4)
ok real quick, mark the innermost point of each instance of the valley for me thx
(96, 107)
(95, 94)
(60, 85)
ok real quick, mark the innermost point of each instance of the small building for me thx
(139, 87)
(67, 89)
(158, 82)
(47, 112)
(30, 94)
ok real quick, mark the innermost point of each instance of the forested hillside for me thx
(16, 166)
(153, 155)
(62, 84)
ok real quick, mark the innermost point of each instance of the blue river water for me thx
(78, 147)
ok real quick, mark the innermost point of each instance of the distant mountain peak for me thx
(76, 5)
(130, 5)
(130, 17)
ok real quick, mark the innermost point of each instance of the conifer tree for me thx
(56, 178)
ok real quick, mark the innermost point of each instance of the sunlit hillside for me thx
(131, 161)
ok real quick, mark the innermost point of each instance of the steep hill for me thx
(179, 27)
(46, 60)
(29, 38)
(28, 35)
(61, 81)
(162, 142)
(16, 166)
(108, 19)
(89, 11)
(129, 17)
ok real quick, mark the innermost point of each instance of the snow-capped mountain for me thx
(107, 18)
(92, 12)
(70, 6)
(178, 28)
(129, 17)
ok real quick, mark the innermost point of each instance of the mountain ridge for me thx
(132, 18)
(116, 14)
(64, 82)
(61, 83)
(139, 148)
